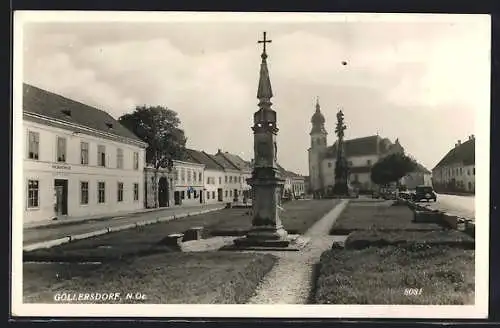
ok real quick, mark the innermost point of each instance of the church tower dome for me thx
(318, 120)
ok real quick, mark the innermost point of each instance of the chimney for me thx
(219, 151)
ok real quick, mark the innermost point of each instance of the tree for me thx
(392, 168)
(159, 127)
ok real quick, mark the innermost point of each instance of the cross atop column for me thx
(264, 41)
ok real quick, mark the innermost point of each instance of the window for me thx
(208, 194)
(189, 175)
(61, 149)
(183, 195)
(189, 194)
(231, 179)
(460, 171)
(225, 179)
(33, 144)
(194, 176)
(226, 193)
(84, 193)
(101, 192)
(468, 171)
(136, 160)
(208, 180)
(136, 191)
(369, 162)
(33, 193)
(213, 194)
(84, 153)
(176, 175)
(119, 158)
(183, 175)
(119, 196)
(329, 164)
(220, 180)
(239, 179)
(231, 193)
(200, 177)
(101, 155)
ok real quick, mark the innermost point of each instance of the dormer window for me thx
(66, 112)
(109, 125)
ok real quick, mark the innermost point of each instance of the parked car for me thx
(424, 192)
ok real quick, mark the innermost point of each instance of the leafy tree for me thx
(392, 168)
(159, 127)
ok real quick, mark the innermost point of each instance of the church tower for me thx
(317, 150)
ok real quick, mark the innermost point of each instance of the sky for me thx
(420, 79)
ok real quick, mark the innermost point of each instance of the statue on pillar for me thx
(340, 187)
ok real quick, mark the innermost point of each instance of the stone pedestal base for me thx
(290, 243)
(267, 237)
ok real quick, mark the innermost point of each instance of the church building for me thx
(361, 154)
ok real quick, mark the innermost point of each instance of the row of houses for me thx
(79, 161)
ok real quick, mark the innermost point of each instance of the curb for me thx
(68, 239)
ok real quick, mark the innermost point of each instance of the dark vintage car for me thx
(424, 192)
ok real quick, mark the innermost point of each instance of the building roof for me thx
(237, 161)
(222, 161)
(54, 106)
(203, 158)
(463, 153)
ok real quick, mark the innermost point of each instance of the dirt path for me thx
(290, 280)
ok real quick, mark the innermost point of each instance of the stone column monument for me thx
(267, 184)
(341, 167)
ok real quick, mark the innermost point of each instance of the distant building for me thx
(294, 183)
(456, 172)
(245, 169)
(78, 160)
(233, 178)
(420, 177)
(189, 181)
(213, 177)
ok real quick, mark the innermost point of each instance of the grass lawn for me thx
(173, 278)
(297, 218)
(378, 216)
(142, 240)
(367, 238)
(380, 275)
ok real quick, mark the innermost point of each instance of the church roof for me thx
(361, 146)
(318, 120)
(463, 153)
(54, 106)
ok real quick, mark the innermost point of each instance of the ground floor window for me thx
(119, 195)
(33, 198)
(84, 192)
(183, 195)
(101, 192)
(226, 193)
(213, 194)
(136, 191)
(208, 194)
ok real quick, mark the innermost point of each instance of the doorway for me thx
(201, 196)
(163, 192)
(177, 198)
(219, 195)
(61, 189)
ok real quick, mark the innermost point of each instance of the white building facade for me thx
(78, 160)
(189, 183)
(456, 172)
